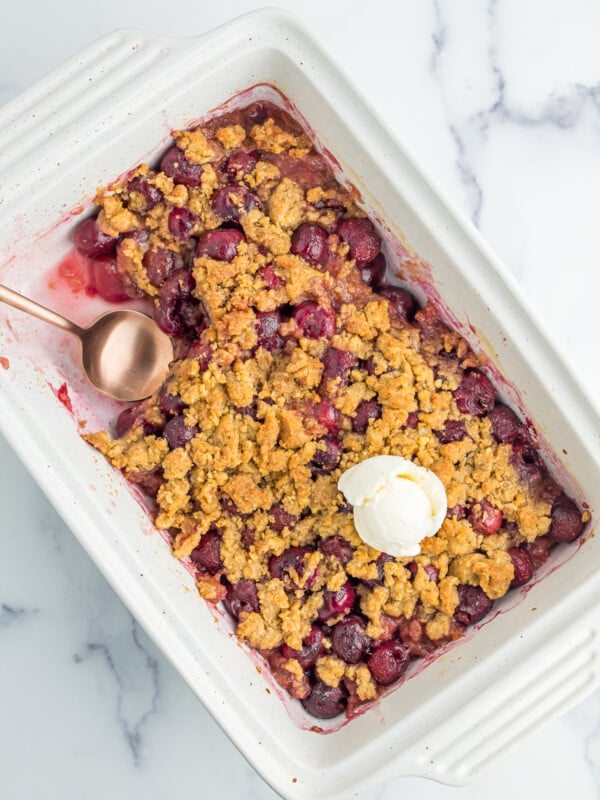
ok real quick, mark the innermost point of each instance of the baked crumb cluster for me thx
(296, 359)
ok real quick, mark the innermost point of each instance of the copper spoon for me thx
(123, 353)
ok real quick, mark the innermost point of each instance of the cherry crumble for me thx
(295, 360)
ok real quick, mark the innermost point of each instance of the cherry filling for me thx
(337, 364)
(566, 524)
(241, 596)
(267, 330)
(485, 518)
(178, 433)
(523, 566)
(338, 602)
(374, 272)
(339, 548)
(150, 193)
(161, 263)
(403, 303)
(366, 411)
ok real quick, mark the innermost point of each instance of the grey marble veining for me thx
(500, 101)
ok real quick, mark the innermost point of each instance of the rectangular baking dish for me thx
(93, 119)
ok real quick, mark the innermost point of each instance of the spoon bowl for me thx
(124, 353)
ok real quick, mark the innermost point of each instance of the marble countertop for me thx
(500, 101)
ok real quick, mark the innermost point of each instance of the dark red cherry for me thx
(485, 518)
(349, 639)
(241, 596)
(566, 523)
(152, 194)
(338, 547)
(311, 650)
(241, 163)
(506, 426)
(221, 244)
(475, 395)
(327, 456)
(178, 433)
(388, 662)
(176, 166)
(362, 238)
(91, 241)
(181, 222)
(314, 321)
(337, 364)
(338, 602)
(453, 431)
(366, 411)
(207, 556)
(402, 301)
(473, 604)
(267, 330)
(231, 200)
(522, 564)
(310, 242)
(374, 272)
(161, 263)
(325, 701)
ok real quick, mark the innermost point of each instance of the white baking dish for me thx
(93, 119)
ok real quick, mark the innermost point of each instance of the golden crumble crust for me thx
(260, 407)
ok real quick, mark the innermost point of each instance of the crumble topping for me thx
(292, 365)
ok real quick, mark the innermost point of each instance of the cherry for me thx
(241, 163)
(221, 244)
(256, 113)
(566, 523)
(337, 364)
(161, 263)
(327, 455)
(270, 278)
(170, 404)
(539, 550)
(267, 330)
(349, 639)
(373, 273)
(311, 650)
(382, 559)
(506, 426)
(522, 564)
(485, 518)
(325, 701)
(91, 241)
(338, 547)
(241, 596)
(314, 320)
(473, 604)
(177, 312)
(175, 165)
(152, 194)
(292, 558)
(281, 518)
(207, 556)
(178, 433)
(362, 238)
(431, 571)
(401, 301)
(338, 602)
(475, 395)
(108, 281)
(327, 416)
(458, 512)
(453, 431)
(365, 412)
(388, 662)
(310, 242)
(230, 200)
(181, 222)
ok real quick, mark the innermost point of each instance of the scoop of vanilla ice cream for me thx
(396, 503)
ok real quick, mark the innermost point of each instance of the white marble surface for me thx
(500, 101)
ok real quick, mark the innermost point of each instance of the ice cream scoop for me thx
(396, 503)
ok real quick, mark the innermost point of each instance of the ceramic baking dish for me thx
(95, 118)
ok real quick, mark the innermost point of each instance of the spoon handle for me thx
(17, 300)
